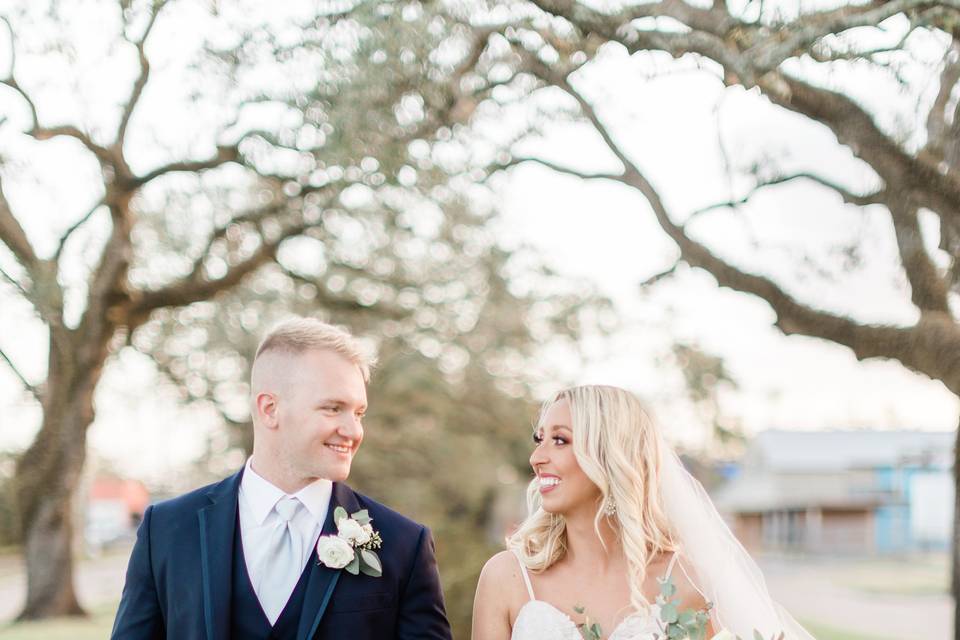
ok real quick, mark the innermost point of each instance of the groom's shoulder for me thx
(190, 502)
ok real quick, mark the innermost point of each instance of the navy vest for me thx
(247, 619)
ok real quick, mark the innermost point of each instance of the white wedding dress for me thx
(540, 620)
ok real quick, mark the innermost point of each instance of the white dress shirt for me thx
(258, 519)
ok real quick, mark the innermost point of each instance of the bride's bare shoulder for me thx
(502, 573)
(500, 594)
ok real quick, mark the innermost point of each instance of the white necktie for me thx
(282, 560)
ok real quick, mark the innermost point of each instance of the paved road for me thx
(815, 591)
(99, 581)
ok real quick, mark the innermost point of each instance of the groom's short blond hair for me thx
(299, 335)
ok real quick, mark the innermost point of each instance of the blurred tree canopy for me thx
(880, 79)
(232, 162)
(451, 410)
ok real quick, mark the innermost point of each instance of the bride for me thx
(613, 517)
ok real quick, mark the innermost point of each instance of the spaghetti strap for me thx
(526, 576)
(673, 561)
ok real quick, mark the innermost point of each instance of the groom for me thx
(237, 559)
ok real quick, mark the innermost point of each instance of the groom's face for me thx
(320, 412)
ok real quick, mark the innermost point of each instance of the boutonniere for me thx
(353, 546)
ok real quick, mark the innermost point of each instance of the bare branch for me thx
(657, 277)
(76, 225)
(929, 289)
(937, 129)
(254, 216)
(189, 290)
(856, 129)
(15, 284)
(142, 77)
(13, 235)
(10, 80)
(26, 385)
(224, 155)
(560, 169)
(343, 303)
(877, 197)
(936, 354)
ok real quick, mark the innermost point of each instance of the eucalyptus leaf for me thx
(669, 613)
(339, 514)
(667, 588)
(354, 566)
(362, 516)
(371, 559)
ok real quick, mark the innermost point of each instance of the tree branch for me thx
(26, 385)
(929, 289)
(189, 290)
(877, 197)
(142, 77)
(855, 128)
(15, 284)
(76, 225)
(931, 347)
(13, 235)
(937, 129)
(224, 155)
(559, 169)
(657, 277)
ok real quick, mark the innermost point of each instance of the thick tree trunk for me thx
(47, 475)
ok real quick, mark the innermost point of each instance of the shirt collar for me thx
(261, 495)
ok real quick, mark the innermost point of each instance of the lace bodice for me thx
(540, 620)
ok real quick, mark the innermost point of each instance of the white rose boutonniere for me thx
(353, 546)
(334, 552)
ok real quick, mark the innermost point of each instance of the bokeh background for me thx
(746, 212)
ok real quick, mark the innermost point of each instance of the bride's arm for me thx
(491, 605)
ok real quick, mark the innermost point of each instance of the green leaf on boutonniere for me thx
(370, 564)
(354, 566)
(339, 514)
(362, 517)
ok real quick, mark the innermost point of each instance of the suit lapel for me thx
(217, 523)
(323, 580)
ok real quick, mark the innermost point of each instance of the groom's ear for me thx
(266, 404)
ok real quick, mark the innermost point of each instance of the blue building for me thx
(847, 492)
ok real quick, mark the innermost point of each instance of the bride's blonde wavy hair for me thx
(616, 444)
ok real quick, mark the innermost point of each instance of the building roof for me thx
(828, 469)
(799, 451)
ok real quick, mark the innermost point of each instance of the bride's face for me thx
(564, 487)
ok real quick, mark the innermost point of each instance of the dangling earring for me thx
(609, 507)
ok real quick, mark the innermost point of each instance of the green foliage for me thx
(588, 630)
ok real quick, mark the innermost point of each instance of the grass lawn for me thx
(821, 632)
(920, 576)
(96, 627)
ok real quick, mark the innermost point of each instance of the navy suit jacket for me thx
(178, 582)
